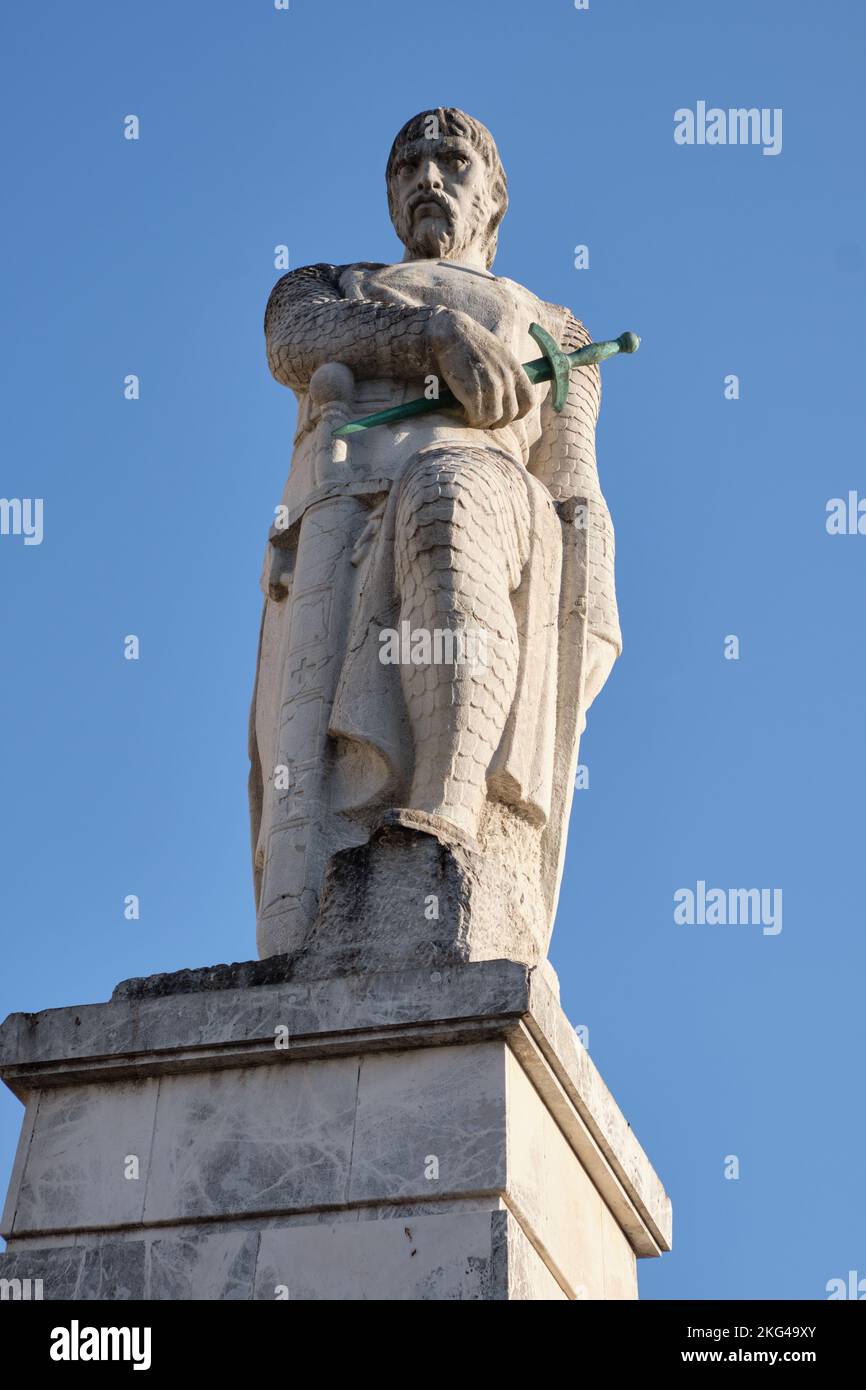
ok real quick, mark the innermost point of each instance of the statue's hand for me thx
(483, 373)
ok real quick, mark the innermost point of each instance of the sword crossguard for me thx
(560, 367)
(557, 365)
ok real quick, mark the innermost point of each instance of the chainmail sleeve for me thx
(564, 460)
(308, 321)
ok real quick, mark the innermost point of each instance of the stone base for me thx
(428, 1134)
(377, 912)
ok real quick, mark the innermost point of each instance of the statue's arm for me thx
(309, 322)
(564, 460)
(564, 457)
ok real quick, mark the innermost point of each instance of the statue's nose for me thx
(429, 177)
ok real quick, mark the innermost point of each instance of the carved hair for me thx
(454, 122)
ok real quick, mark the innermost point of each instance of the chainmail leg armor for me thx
(462, 540)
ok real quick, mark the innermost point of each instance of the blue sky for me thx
(156, 257)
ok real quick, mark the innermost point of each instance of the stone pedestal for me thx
(234, 1134)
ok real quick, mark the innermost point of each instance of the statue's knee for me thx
(429, 487)
(462, 525)
(426, 518)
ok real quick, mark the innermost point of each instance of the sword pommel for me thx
(332, 394)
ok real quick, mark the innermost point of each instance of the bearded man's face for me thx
(441, 197)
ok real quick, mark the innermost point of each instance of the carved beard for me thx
(432, 238)
(433, 234)
(445, 236)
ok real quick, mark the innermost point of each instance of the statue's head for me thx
(446, 186)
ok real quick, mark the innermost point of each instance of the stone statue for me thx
(439, 614)
(439, 593)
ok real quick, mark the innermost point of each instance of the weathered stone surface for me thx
(479, 1255)
(433, 1096)
(441, 1104)
(528, 1277)
(482, 532)
(414, 1258)
(272, 970)
(171, 1036)
(113, 1270)
(203, 1264)
(157, 1021)
(555, 1199)
(379, 900)
(73, 1175)
(257, 1139)
(58, 1268)
(105, 1271)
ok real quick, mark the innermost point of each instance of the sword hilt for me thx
(555, 365)
(332, 394)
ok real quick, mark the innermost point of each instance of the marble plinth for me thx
(235, 1133)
